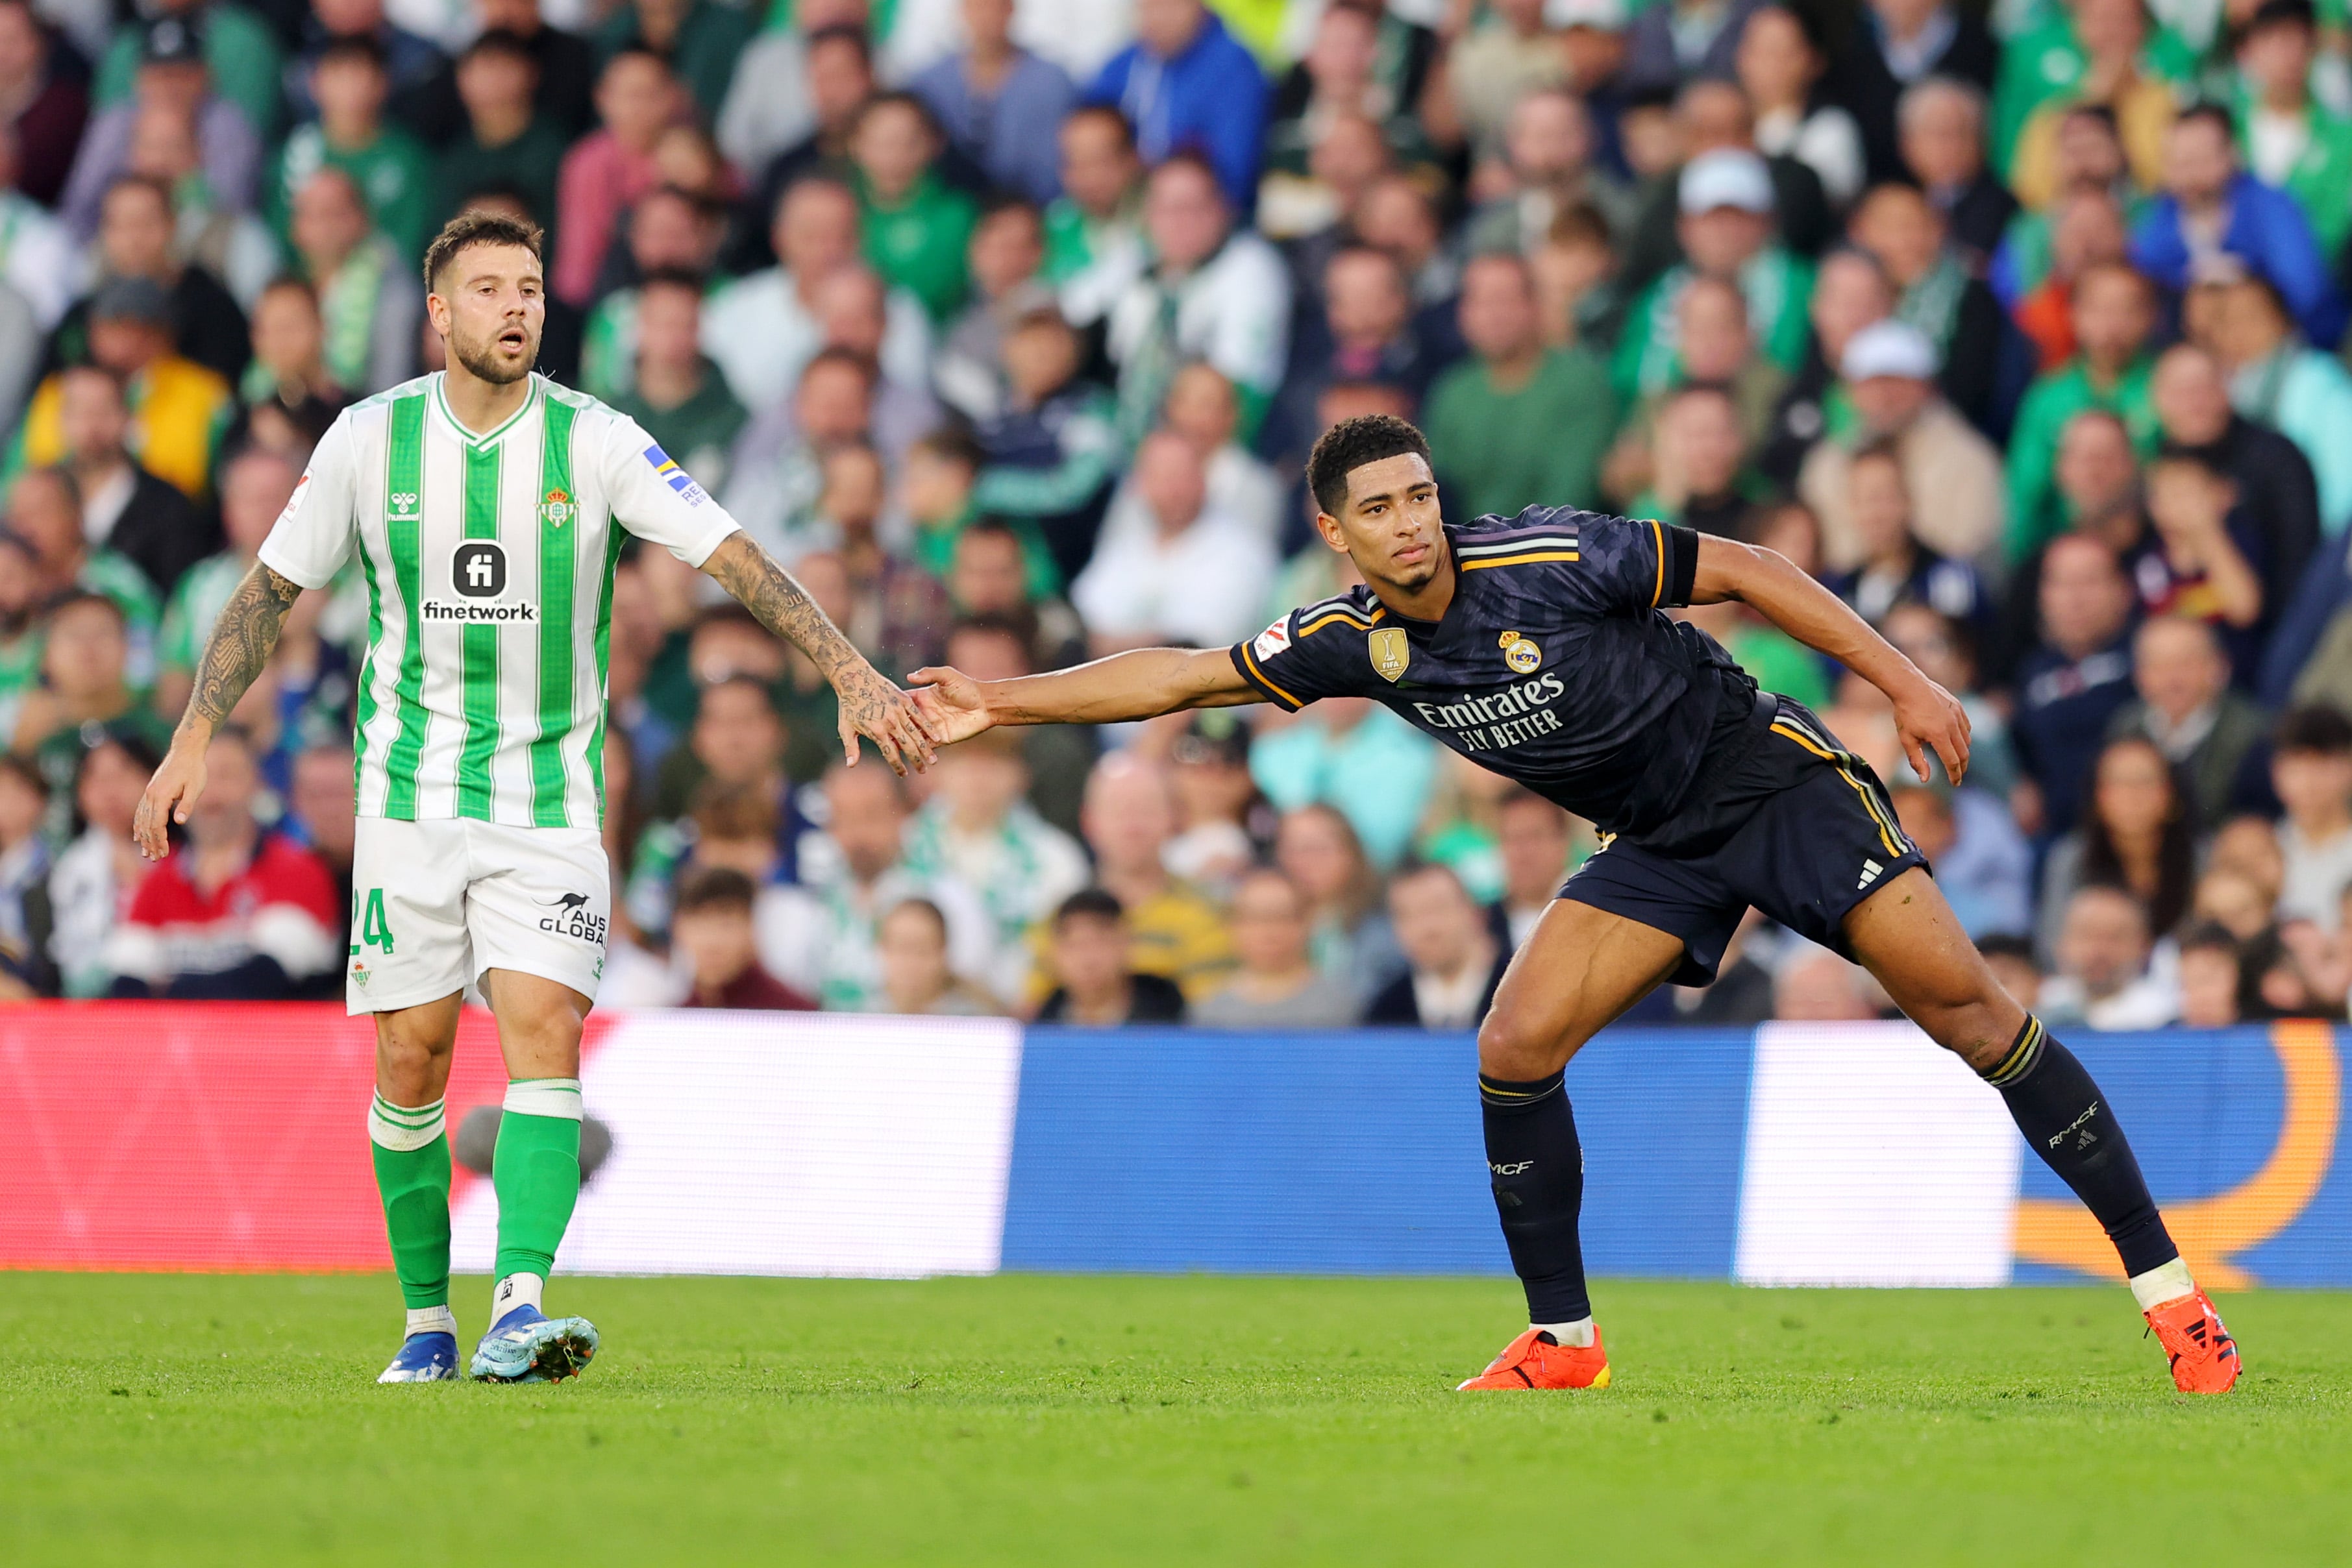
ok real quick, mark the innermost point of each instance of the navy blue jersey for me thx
(1554, 666)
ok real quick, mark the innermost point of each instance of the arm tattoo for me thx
(780, 604)
(241, 642)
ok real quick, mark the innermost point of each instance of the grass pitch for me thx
(190, 1420)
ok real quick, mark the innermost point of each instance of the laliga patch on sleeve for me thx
(676, 477)
(294, 501)
(1272, 641)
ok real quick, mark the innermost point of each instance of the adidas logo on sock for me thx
(1870, 870)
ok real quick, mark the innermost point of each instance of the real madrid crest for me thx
(1390, 654)
(558, 508)
(1520, 653)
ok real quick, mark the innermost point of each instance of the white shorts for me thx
(435, 904)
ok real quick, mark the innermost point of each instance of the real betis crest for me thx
(558, 508)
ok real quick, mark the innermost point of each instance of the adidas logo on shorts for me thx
(1870, 872)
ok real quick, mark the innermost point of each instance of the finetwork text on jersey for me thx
(442, 610)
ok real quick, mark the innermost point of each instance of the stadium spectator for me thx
(167, 74)
(1217, 804)
(2011, 961)
(37, 257)
(917, 226)
(1894, 45)
(350, 80)
(322, 806)
(99, 868)
(1202, 407)
(1725, 204)
(2114, 312)
(254, 488)
(2208, 557)
(1275, 984)
(2210, 976)
(1053, 448)
(1214, 291)
(290, 398)
(1851, 291)
(1351, 939)
(125, 510)
(916, 980)
(1095, 984)
(180, 408)
(765, 327)
(26, 919)
(1187, 83)
(369, 297)
(1983, 863)
(1820, 987)
(2274, 484)
(675, 391)
(1453, 962)
(137, 238)
(1128, 822)
(2139, 833)
(636, 99)
(1779, 66)
(1943, 138)
(853, 874)
(2216, 736)
(2108, 53)
(2282, 382)
(1718, 351)
(48, 100)
(1005, 261)
(1549, 153)
(1894, 568)
(504, 138)
(2083, 229)
(237, 912)
(713, 934)
(978, 830)
(994, 645)
(2311, 769)
(668, 230)
(1197, 579)
(1532, 840)
(2101, 979)
(999, 103)
(794, 92)
(2074, 679)
(1094, 229)
(2288, 138)
(1518, 424)
(1355, 755)
(2209, 204)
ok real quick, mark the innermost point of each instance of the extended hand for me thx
(1930, 718)
(873, 707)
(170, 796)
(950, 702)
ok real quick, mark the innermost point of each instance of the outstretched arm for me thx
(241, 642)
(1926, 716)
(1141, 684)
(870, 706)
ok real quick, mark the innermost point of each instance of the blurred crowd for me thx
(1007, 323)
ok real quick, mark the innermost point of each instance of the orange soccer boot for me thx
(2204, 1357)
(1536, 1359)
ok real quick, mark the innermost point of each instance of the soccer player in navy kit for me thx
(1538, 646)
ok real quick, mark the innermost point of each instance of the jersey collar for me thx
(441, 404)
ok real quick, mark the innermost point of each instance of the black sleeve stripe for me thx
(1681, 567)
(1246, 663)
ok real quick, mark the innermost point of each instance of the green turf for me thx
(195, 1420)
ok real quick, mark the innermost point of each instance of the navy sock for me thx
(2070, 1124)
(1538, 1170)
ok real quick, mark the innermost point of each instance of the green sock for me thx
(536, 1172)
(412, 1172)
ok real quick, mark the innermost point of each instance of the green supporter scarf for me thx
(347, 307)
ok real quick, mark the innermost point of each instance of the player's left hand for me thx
(873, 707)
(1929, 719)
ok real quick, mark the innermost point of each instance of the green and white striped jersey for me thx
(488, 561)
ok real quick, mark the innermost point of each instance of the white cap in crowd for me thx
(1726, 177)
(1603, 15)
(1889, 348)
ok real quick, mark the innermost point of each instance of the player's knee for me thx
(1517, 1046)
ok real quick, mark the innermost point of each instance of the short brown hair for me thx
(478, 226)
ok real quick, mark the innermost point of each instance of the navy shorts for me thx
(1800, 828)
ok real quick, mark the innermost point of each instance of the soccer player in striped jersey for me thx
(487, 507)
(1539, 647)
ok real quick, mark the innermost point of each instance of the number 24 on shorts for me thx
(375, 931)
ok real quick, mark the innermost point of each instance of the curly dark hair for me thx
(478, 226)
(1348, 445)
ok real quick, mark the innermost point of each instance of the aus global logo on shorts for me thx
(571, 917)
